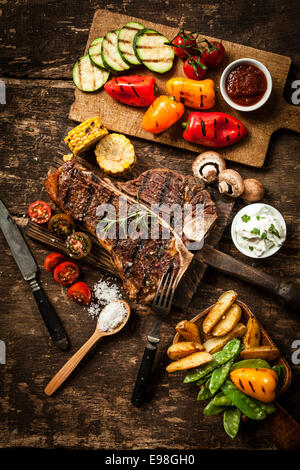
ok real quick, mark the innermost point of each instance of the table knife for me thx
(29, 271)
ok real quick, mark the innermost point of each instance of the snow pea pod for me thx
(204, 379)
(251, 364)
(268, 408)
(204, 392)
(244, 403)
(219, 358)
(280, 371)
(231, 421)
(212, 409)
(219, 376)
(221, 400)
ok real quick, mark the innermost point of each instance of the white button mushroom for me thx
(208, 165)
(231, 183)
(254, 190)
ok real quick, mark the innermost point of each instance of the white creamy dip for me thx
(259, 230)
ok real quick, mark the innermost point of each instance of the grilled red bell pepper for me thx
(213, 129)
(135, 90)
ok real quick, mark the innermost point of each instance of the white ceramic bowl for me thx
(264, 98)
(256, 206)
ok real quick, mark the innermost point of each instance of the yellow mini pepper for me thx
(257, 383)
(198, 94)
(162, 114)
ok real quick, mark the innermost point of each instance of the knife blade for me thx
(29, 270)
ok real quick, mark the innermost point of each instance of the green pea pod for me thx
(231, 421)
(268, 408)
(244, 403)
(280, 371)
(219, 376)
(221, 400)
(251, 363)
(204, 392)
(219, 358)
(204, 379)
(211, 409)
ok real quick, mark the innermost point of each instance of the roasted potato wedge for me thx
(189, 331)
(183, 349)
(252, 336)
(215, 344)
(217, 311)
(228, 321)
(193, 360)
(269, 353)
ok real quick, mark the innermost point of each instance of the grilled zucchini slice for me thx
(115, 154)
(150, 48)
(125, 42)
(87, 77)
(95, 53)
(111, 56)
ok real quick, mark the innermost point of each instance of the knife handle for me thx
(141, 384)
(50, 317)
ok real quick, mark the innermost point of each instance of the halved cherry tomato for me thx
(53, 260)
(80, 293)
(66, 273)
(183, 44)
(78, 245)
(212, 53)
(39, 212)
(61, 225)
(195, 68)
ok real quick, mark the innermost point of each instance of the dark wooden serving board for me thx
(125, 119)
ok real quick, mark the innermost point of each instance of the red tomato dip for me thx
(246, 84)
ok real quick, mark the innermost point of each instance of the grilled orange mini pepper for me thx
(198, 94)
(162, 114)
(257, 383)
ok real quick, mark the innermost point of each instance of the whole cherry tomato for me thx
(212, 53)
(80, 293)
(195, 68)
(52, 260)
(183, 44)
(39, 212)
(66, 273)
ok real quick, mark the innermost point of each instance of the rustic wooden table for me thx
(39, 42)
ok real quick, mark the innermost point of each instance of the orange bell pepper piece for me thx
(257, 383)
(198, 94)
(162, 114)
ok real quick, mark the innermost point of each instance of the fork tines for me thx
(165, 291)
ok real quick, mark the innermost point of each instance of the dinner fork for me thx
(161, 305)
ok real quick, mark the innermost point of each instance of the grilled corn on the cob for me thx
(115, 154)
(85, 135)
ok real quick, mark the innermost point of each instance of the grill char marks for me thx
(140, 262)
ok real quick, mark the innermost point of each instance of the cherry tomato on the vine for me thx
(183, 44)
(212, 53)
(195, 68)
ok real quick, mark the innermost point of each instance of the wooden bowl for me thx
(265, 340)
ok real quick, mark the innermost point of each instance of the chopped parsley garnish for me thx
(255, 231)
(264, 236)
(258, 217)
(246, 218)
(274, 230)
(251, 248)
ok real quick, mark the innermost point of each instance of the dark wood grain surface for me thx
(39, 41)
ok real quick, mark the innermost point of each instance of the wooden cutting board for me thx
(261, 124)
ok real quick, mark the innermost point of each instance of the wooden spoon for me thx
(73, 362)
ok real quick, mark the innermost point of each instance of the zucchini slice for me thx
(150, 48)
(110, 54)
(87, 77)
(95, 53)
(125, 42)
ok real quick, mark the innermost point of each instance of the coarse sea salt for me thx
(112, 316)
(104, 292)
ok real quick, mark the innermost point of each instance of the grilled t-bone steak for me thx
(140, 262)
(165, 187)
